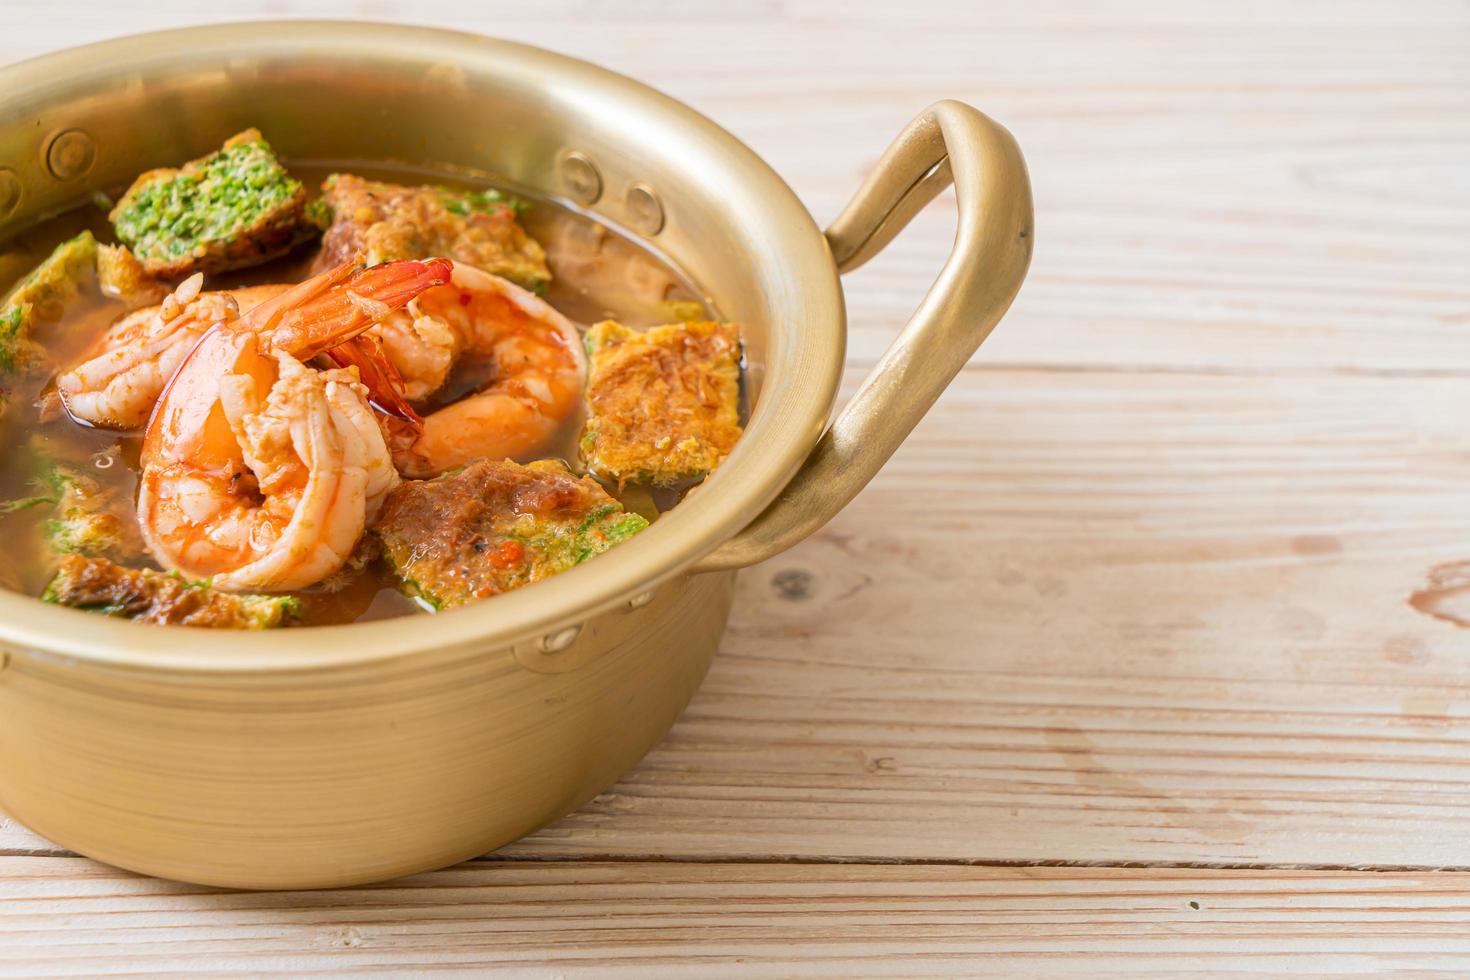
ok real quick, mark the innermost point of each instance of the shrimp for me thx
(260, 472)
(116, 383)
(536, 366)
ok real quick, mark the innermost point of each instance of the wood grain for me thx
(64, 916)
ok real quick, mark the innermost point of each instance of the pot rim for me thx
(799, 389)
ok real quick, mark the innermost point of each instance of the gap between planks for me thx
(817, 861)
(1209, 370)
(808, 860)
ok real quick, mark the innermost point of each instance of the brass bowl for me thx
(332, 756)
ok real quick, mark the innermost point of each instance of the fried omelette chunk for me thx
(90, 518)
(496, 526)
(235, 207)
(123, 278)
(41, 297)
(663, 405)
(102, 586)
(383, 222)
(87, 517)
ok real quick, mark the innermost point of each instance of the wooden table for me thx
(1117, 667)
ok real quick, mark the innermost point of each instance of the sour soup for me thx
(458, 525)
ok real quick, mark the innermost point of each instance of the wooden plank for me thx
(1239, 186)
(1095, 617)
(69, 917)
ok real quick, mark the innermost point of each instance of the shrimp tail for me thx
(378, 375)
(329, 309)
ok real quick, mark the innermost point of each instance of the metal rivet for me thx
(640, 600)
(9, 192)
(645, 211)
(70, 154)
(560, 640)
(580, 177)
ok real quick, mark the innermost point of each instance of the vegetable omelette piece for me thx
(101, 586)
(87, 516)
(236, 207)
(496, 526)
(41, 297)
(90, 518)
(384, 222)
(663, 405)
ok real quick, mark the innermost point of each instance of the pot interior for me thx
(93, 118)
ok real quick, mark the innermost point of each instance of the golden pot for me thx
(332, 756)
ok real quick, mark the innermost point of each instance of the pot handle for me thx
(948, 141)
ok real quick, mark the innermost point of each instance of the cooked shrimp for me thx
(117, 381)
(259, 471)
(536, 361)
